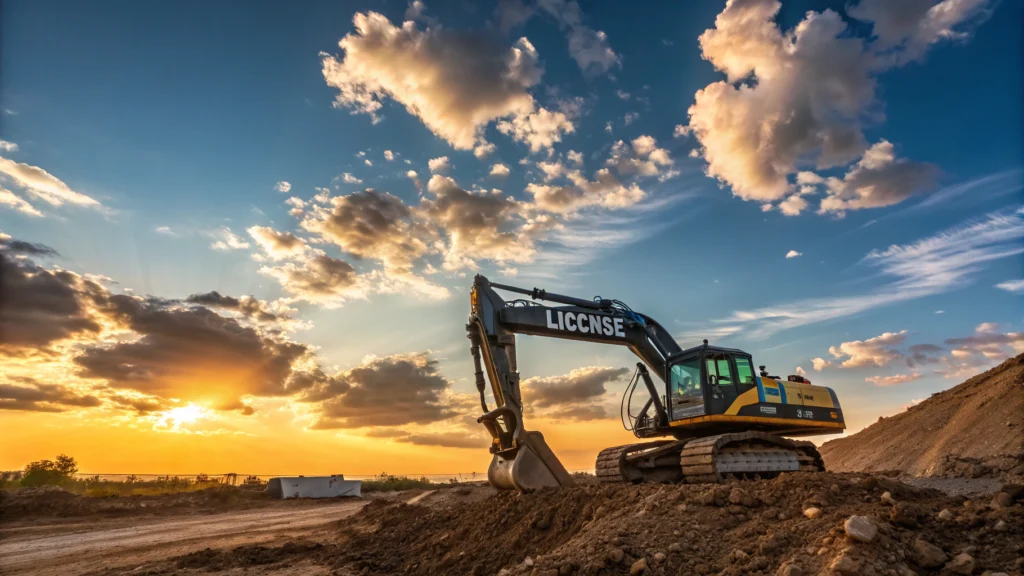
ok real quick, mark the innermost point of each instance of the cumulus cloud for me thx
(587, 46)
(922, 354)
(538, 130)
(499, 171)
(793, 254)
(606, 191)
(33, 396)
(391, 391)
(820, 364)
(227, 240)
(350, 179)
(455, 82)
(575, 157)
(879, 179)
(551, 170)
(478, 226)
(576, 395)
(642, 156)
(277, 245)
(878, 351)
(893, 379)
(248, 306)
(389, 155)
(15, 202)
(283, 187)
(412, 175)
(483, 150)
(438, 165)
(801, 97)
(372, 224)
(6, 146)
(43, 185)
(319, 278)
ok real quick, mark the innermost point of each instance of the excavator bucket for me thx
(529, 467)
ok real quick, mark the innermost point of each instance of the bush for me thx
(57, 472)
(388, 483)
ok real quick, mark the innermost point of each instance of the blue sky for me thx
(185, 117)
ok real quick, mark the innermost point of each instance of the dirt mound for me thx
(794, 524)
(975, 429)
(57, 502)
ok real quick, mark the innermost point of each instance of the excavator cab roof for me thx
(708, 347)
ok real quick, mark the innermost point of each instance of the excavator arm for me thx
(522, 460)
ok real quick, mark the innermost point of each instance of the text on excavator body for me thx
(585, 323)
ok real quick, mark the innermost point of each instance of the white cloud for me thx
(622, 94)
(641, 157)
(509, 271)
(165, 230)
(793, 254)
(940, 263)
(389, 155)
(483, 150)
(228, 240)
(11, 200)
(427, 72)
(630, 117)
(985, 348)
(892, 380)
(539, 130)
(412, 175)
(551, 170)
(298, 205)
(681, 131)
(1015, 286)
(799, 371)
(819, 364)
(499, 171)
(878, 351)
(438, 165)
(878, 179)
(800, 97)
(606, 191)
(575, 157)
(348, 178)
(905, 30)
(43, 185)
(792, 206)
(6, 146)
(368, 162)
(415, 10)
(608, 127)
(277, 245)
(587, 46)
(283, 187)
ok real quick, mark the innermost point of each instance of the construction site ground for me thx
(761, 527)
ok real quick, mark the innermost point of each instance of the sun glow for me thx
(175, 417)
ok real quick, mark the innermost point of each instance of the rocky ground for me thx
(842, 524)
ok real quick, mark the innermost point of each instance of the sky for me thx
(239, 237)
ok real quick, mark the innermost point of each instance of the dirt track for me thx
(86, 545)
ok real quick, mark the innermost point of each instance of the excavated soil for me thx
(764, 527)
(973, 430)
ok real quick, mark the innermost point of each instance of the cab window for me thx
(686, 378)
(718, 366)
(744, 371)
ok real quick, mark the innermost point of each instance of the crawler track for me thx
(713, 459)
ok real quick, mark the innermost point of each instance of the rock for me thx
(888, 499)
(835, 490)
(845, 566)
(565, 569)
(903, 515)
(528, 561)
(548, 572)
(904, 570)
(638, 567)
(675, 547)
(945, 515)
(791, 570)
(1000, 526)
(860, 528)
(813, 513)
(1002, 500)
(963, 563)
(616, 555)
(737, 555)
(928, 555)
(659, 557)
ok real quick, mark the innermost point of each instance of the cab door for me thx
(720, 380)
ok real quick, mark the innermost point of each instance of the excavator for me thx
(717, 419)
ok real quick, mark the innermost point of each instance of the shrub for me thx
(57, 472)
(388, 483)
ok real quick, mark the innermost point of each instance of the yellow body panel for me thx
(747, 398)
(758, 420)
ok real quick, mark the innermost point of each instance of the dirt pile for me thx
(57, 502)
(795, 524)
(973, 430)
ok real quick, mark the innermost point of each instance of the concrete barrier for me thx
(313, 487)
